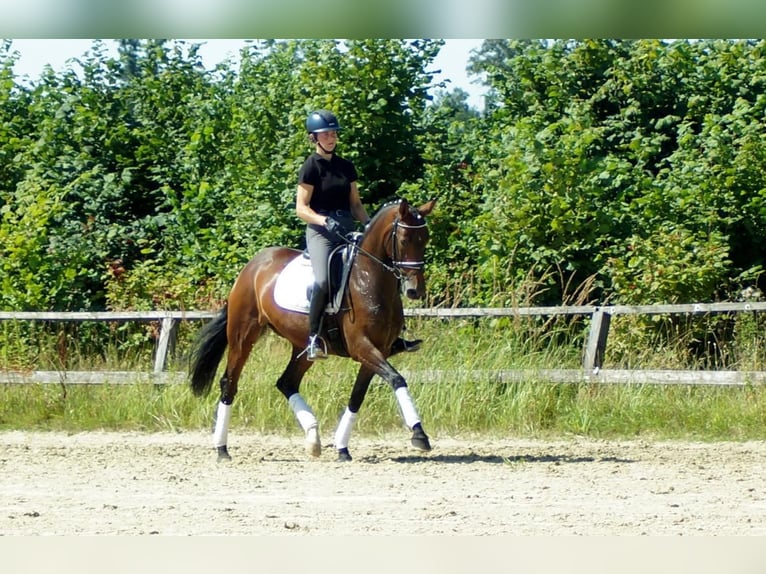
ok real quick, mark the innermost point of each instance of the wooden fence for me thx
(591, 370)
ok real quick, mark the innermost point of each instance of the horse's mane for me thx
(386, 207)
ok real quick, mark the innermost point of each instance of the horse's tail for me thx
(207, 352)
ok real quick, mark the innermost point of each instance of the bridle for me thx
(398, 267)
(401, 264)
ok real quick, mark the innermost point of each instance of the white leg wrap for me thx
(302, 411)
(221, 433)
(407, 407)
(343, 432)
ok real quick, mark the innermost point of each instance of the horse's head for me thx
(403, 238)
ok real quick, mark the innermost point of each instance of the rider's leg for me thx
(319, 245)
(315, 349)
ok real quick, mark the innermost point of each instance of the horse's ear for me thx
(426, 208)
(404, 208)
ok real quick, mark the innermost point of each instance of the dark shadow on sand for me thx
(471, 458)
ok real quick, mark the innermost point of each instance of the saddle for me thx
(292, 290)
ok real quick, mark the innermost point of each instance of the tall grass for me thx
(465, 400)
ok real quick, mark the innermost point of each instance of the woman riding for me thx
(328, 201)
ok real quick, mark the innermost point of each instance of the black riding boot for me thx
(315, 349)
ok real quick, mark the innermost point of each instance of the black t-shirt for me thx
(331, 180)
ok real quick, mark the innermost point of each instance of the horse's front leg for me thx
(379, 365)
(409, 413)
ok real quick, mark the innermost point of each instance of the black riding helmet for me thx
(321, 121)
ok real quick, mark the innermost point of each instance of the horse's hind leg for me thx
(347, 419)
(289, 385)
(239, 351)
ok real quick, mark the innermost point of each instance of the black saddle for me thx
(339, 268)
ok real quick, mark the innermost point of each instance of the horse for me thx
(389, 263)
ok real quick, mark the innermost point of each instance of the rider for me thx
(328, 201)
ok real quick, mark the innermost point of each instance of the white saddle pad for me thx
(292, 285)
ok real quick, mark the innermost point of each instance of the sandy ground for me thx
(114, 483)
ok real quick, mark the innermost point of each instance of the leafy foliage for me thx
(600, 170)
(601, 145)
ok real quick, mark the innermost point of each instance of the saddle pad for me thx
(292, 288)
(293, 284)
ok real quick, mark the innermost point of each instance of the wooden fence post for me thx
(168, 330)
(596, 346)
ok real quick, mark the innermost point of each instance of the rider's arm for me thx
(357, 207)
(302, 207)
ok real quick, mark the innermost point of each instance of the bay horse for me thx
(390, 260)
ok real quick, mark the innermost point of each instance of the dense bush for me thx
(600, 170)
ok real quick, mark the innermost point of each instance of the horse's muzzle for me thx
(414, 286)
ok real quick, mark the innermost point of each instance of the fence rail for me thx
(591, 371)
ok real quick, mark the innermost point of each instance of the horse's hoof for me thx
(420, 439)
(223, 454)
(313, 445)
(343, 455)
(402, 346)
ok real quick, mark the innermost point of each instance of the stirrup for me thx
(316, 349)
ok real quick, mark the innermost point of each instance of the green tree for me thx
(594, 146)
(448, 137)
(631, 167)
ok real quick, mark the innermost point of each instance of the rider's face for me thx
(328, 139)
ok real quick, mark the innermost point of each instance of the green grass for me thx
(463, 404)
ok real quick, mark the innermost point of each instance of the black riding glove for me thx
(333, 225)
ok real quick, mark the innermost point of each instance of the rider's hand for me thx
(333, 226)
